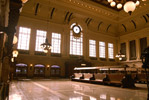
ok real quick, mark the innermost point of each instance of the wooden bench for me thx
(123, 80)
(98, 78)
(134, 76)
(87, 77)
(115, 79)
(141, 78)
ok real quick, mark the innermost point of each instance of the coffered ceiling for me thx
(97, 16)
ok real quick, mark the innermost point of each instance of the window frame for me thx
(24, 38)
(92, 48)
(59, 39)
(76, 44)
(111, 53)
(41, 36)
(100, 48)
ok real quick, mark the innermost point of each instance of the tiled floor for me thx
(68, 90)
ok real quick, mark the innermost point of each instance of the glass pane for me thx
(56, 43)
(102, 49)
(40, 38)
(24, 38)
(92, 48)
(76, 45)
(110, 51)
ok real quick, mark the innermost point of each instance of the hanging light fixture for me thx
(120, 55)
(128, 5)
(15, 39)
(46, 46)
(15, 53)
(24, 1)
(1, 32)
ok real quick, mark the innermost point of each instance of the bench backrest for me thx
(115, 77)
(88, 75)
(141, 76)
(133, 76)
(78, 75)
(99, 76)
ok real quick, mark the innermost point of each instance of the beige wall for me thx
(60, 23)
(135, 36)
(35, 24)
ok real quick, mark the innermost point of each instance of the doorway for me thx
(21, 70)
(39, 70)
(55, 71)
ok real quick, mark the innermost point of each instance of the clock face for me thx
(76, 29)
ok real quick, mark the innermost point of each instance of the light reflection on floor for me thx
(15, 97)
(68, 90)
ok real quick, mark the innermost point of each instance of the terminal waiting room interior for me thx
(58, 49)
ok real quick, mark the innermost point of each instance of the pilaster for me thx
(49, 37)
(97, 49)
(147, 40)
(127, 51)
(65, 44)
(85, 46)
(138, 49)
(32, 41)
(106, 51)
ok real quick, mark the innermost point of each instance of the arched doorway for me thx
(39, 70)
(21, 70)
(55, 71)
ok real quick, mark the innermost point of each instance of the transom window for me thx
(92, 48)
(76, 44)
(102, 49)
(56, 43)
(24, 38)
(110, 51)
(40, 38)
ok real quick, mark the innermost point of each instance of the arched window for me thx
(39, 70)
(55, 66)
(55, 71)
(21, 65)
(39, 65)
(21, 70)
(76, 39)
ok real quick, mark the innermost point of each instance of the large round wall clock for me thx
(76, 31)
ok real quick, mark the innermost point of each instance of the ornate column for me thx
(4, 13)
(14, 11)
